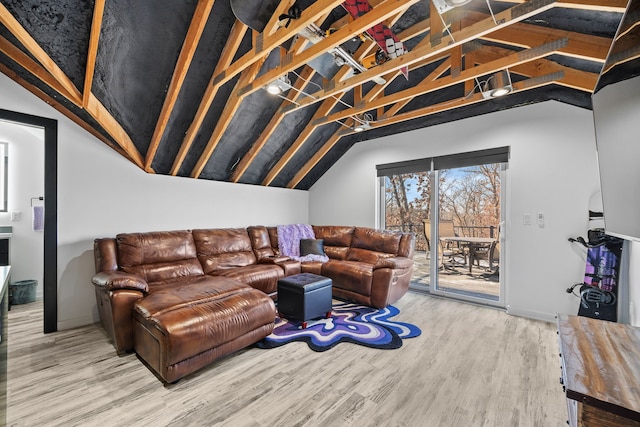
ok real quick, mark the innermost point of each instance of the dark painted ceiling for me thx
(177, 87)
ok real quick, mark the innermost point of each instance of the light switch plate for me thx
(16, 216)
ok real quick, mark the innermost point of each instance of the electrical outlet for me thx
(16, 216)
(541, 220)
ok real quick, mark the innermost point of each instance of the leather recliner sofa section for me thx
(182, 299)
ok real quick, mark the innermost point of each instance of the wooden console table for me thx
(600, 371)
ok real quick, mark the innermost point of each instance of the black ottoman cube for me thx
(304, 296)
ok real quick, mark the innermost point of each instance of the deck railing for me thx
(460, 230)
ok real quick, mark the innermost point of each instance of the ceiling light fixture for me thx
(497, 85)
(281, 84)
(362, 124)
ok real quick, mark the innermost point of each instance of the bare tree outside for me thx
(469, 196)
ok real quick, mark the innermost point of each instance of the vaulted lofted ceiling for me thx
(178, 87)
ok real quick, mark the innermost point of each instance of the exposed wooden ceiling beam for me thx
(228, 52)
(298, 85)
(583, 46)
(194, 33)
(264, 45)
(230, 108)
(382, 12)
(326, 107)
(575, 79)
(62, 109)
(272, 25)
(431, 86)
(421, 112)
(33, 67)
(616, 6)
(425, 50)
(34, 48)
(249, 157)
(94, 37)
(94, 107)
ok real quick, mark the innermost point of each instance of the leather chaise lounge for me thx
(183, 299)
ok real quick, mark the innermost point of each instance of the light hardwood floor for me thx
(471, 366)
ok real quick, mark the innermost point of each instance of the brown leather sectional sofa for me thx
(182, 299)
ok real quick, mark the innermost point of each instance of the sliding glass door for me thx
(454, 205)
(469, 211)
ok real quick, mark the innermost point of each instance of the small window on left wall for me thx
(4, 161)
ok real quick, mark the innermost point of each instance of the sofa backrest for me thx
(158, 256)
(261, 241)
(407, 245)
(369, 245)
(105, 254)
(337, 239)
(223, 248)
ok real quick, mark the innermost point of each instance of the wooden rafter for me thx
(230, 108)
(266, 45)
(382, 12)
(236, 97)
(94, 38)
(423, 51)
(228, 52)
(198, 22)
(34, 48)
(283, 110)
(250, 156)
(62, 109)
(615, 6)
(93, 107)
(421, 112)
(32, 66)
(575, 79)
(432, 86)
(328, 104)
(583, 46)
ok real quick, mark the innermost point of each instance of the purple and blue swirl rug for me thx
(354, 323)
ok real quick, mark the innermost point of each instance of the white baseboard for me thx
(75, 322)
(530, 314)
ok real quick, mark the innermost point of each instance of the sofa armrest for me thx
(112, 280)
(273, 259)
(393, 262)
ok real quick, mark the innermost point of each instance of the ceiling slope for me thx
(178, 88)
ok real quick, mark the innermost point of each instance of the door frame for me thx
(50, 274)
(435, 218)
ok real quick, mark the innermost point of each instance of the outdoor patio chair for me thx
(447, 252)
(489, 253)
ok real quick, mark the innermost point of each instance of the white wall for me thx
(552, 170)
(25, 180)
(101, 194)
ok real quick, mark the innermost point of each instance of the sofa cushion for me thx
(260, 276)
(158, 256)
(350, 275)
(223, 248)
(376, 240)
(337, 239)
(260, 242)
(200, 323)
(367, 256)
(180, 292)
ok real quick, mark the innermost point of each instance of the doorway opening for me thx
(50, 292)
